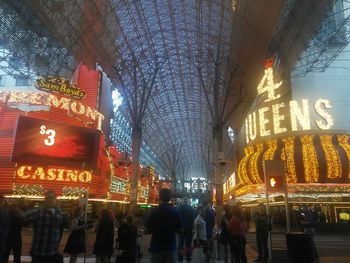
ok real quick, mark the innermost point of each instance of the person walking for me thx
(47, 230)
(225, 233)
(263, 226)
(76, 240)
(237, 228)
(163, 222)
(209, 217)
(127, 241)
(186, 214)
(200, 234)
(14, 239)
(103, 246)
(4, 225)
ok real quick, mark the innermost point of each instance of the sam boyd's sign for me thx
(60, 85)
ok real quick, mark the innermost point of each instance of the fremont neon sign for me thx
(40, 98)
(53, 174)
(257, 122)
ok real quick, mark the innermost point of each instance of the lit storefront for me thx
(54, 138)
(317, 158)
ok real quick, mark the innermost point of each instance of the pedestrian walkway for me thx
(332, 248)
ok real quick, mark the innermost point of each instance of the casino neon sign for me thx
(72, 107)
(53, 174)
(270, 120)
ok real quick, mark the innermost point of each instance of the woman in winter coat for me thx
(237, 228)
(76, 240)
(103, 246)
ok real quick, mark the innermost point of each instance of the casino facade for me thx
(57, 137)
(301, 133)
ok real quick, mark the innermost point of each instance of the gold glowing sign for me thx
(260, 124)
(60, 85)
(53, 174)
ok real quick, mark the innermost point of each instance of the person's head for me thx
(262, 209)
(78, 212)
(164, 195)
(130, 219)
(227, 210)
(236, 211)
(205, 203)
(105, 214)
(50, 199)
(201, 210)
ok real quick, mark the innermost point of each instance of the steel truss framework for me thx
(27, 48)
(328, 42)
(183, 53)
(181, 38)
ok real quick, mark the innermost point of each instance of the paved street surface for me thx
(332, 248)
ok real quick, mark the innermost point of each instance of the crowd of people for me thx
(178, 233)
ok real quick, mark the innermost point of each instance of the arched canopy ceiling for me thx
(194, 61)
(182, 55)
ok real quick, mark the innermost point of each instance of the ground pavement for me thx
(332, 248)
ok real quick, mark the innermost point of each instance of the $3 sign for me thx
(50, 135)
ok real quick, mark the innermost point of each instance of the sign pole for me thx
(286, 203)
(268, 214)
(85, 221)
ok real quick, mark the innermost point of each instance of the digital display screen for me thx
(53, 143)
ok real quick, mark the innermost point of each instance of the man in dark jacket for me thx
(186, 214)
(163, 222)
(263, 226)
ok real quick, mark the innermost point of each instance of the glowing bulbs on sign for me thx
(273, 119)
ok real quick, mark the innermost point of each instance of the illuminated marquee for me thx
(60, 85)
(260, 124)
(53, 174)
(41, 98)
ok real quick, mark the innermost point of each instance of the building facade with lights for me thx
(308, 129)
(106, 179)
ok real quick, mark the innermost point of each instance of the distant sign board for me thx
(60, 85)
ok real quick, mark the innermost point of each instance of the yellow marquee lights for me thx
(298, 190)
(313, 149)
(260, 125)
(309, 159)
(25, 189)
(46, 99)
(272, 146)
(332, 157)
(53, 174)
(343, 142)
(242, 172)
(253, 164)
(288, 157)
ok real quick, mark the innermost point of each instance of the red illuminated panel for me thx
(52, 143)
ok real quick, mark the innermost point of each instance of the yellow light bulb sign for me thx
(275, 117)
